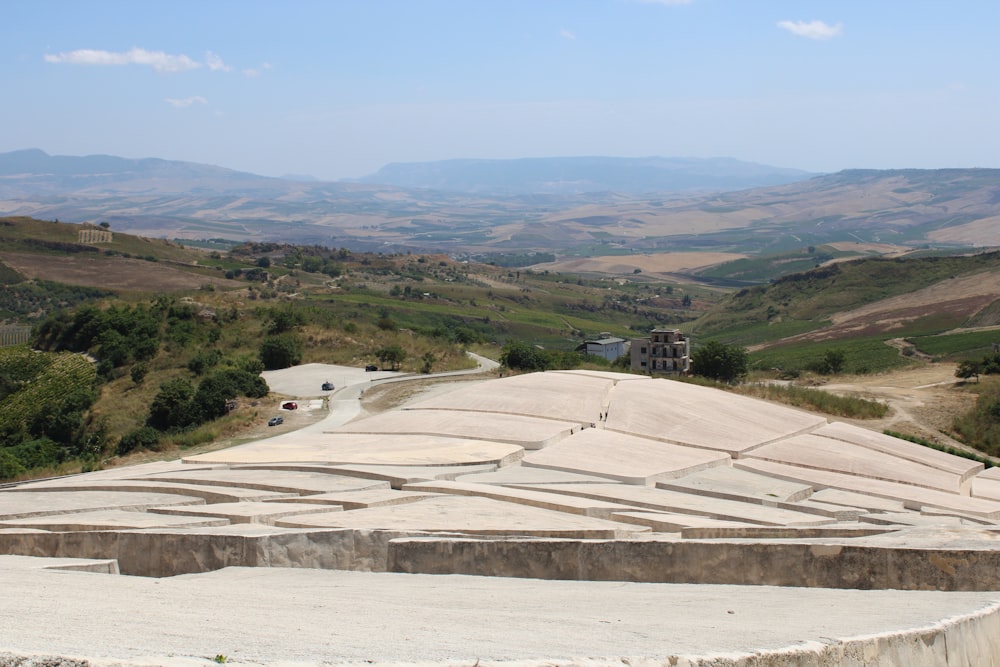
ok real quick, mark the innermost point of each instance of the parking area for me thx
(307, 380)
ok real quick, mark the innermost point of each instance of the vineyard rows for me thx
(45, 378)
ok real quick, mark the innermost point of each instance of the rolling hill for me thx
(945, 208)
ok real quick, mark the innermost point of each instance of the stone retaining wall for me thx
(799, 564)
(742, 563)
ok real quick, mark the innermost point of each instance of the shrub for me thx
(392, 355)
(145, 437)
(138, 372)
(281, 351)
(520, 356)
(718, 361)
(170, 409)
(204, 360)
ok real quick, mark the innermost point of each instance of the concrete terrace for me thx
(585, 480)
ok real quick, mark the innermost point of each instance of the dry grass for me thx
(667, 262)
(111, 272)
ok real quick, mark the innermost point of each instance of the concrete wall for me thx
(165, 554)
(972, 639)
(773, 564)
(168, 553)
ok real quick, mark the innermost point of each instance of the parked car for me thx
(371, 367)
(327, 386)
(274, 421)
(289, 405)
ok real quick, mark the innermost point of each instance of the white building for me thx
(607, 347)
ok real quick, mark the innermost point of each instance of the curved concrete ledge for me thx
(971, 639)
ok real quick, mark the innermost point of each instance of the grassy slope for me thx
(428, 305)
(774, 317)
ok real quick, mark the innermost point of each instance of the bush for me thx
(718, 361)
(10, 466)
(211, 400)
(833, 362)
(170, 409)
(393, 355)
(520, 356)
(204, 360)
(138, 372)
(280, 351)
(145, 437)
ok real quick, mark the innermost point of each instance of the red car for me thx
(289, 405)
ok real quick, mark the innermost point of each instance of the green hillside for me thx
(176, 332)
(788, 322)
(804, 301)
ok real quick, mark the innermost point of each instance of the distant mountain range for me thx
(570, 206)
(32, 173)
(579, 175)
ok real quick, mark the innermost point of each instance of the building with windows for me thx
(606, 346)
(664, 352)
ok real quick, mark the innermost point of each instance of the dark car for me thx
(327, 386)
(371, 367)
(289, 405)
(274, 421)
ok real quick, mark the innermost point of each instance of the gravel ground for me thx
(278, 616)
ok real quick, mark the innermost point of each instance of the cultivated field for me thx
(666, 262)
(110, 273)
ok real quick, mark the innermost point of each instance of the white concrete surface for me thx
(295, 617)
(821, 500)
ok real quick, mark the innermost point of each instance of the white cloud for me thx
(254, 72)
(812, 29)
(214, 63)
(186, 101)
(158, 60)
(567, 34)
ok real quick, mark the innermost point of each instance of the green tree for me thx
(204, 360)
(281, 351)
(393, 355)
(833, 362)
(718, 361)
(312, 263)
(144, 437)
(211, 400)
(10, 465)
(171, 407)
(284, 319)
(521, 356)
(968, 368)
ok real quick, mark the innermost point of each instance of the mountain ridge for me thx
(905, 207)
(577, 175)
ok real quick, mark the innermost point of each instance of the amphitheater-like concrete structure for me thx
(551, 518)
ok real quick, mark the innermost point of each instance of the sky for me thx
(335, 89)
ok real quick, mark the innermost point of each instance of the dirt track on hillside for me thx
(923, 401)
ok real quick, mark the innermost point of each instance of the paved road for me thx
(350, 383)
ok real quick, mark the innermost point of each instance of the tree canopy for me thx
(718, 361)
